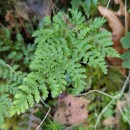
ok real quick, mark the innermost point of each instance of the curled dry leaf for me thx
(71, 110)
(121, 12)
(118, 29)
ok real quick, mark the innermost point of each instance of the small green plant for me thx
(89, 6)
(52, 125)
(126, 56)
(15, 57)
(5, 105)
(66, 46)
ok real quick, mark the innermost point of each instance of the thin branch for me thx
(106, 8)
(45, 115)
(126, 24)
(123, 114)
(5, 64)
(10, 68)
(125, 84)
(91, 91)
(98, 119)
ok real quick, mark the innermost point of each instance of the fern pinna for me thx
(65, 46)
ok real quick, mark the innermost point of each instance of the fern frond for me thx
(62, 46)
(10, 78)
(5, 105)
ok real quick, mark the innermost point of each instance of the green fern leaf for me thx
(65, 46)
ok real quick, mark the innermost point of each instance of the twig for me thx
(45, 115)
(98, 119)
(123, 114)
(106, 8)
(91, 91)
(8, 66)
(113, 98)
(126, 24)
(125, 84)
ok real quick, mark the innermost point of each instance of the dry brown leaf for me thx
(118, 30)
(72, 110)
(121, 12)
(10, 18)
(110, 122)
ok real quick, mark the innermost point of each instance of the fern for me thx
(65, 47)
(5, 105)
(15, 57)
(52, 125)
(10, 78)
(16, 51)
(8, 87)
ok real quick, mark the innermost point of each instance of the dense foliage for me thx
(61, 51)
(41, 58)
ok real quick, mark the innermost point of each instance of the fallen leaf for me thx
(110, 122)
(72, 110)
(117, 28)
